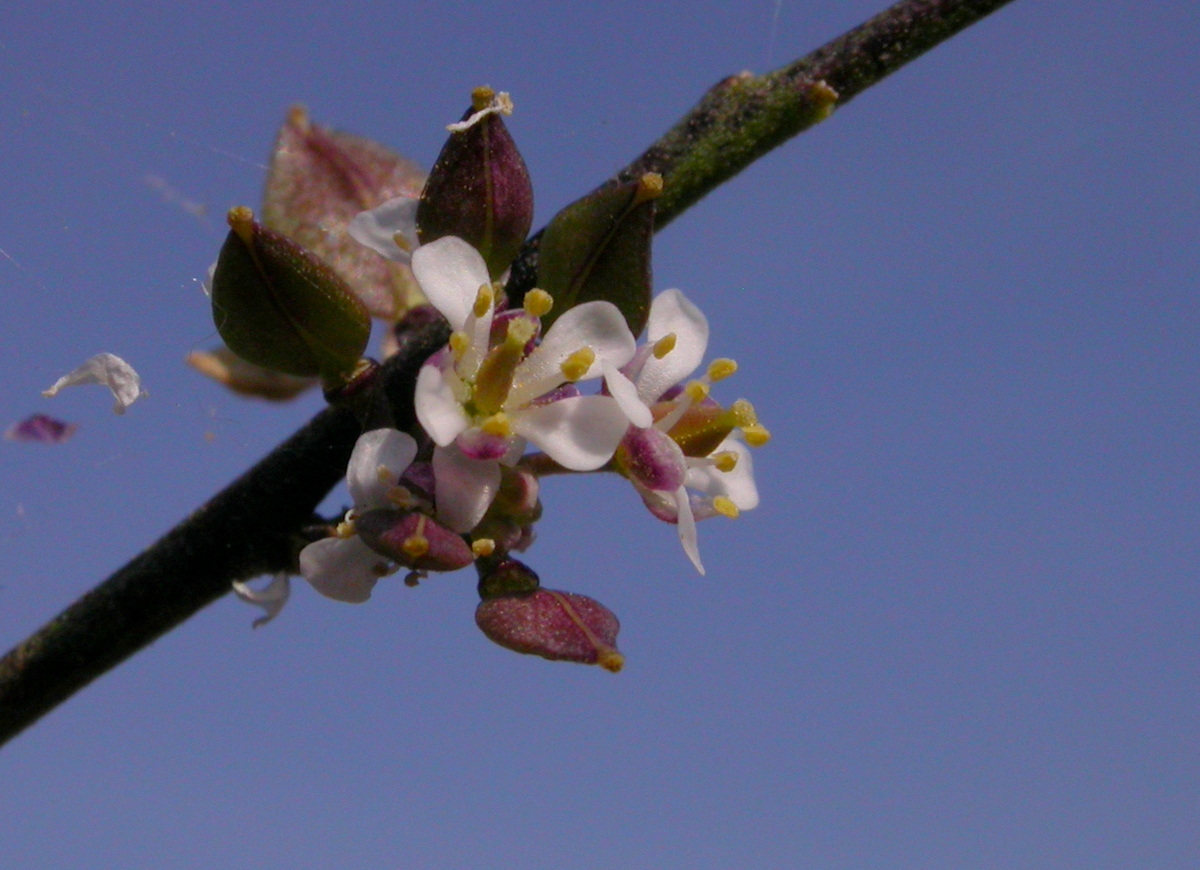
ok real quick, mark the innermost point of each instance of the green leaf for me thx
(281, 307)
(599, 248)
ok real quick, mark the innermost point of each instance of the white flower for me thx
(107, 369)
(481, 399)
(343, 567)
(678, 488)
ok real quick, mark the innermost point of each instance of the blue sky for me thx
(961, 629)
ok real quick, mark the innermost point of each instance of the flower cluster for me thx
(551, 381)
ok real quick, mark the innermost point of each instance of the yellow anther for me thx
(697, 391)
(498, 425)
(650, 186)
(415, 546)
(756, 436)
(402, 242)
(344, 529)
(720, 369)
(538, 302)
(459, 342)
(743, 413)
(609, 659)
(726, 460)
(483, 547)
(481, 98)
(725, 507)
(483, 300)
(297, 116)
(241, 221)
(401, 497)
(664, 345)
(577, 364)
(520, 331)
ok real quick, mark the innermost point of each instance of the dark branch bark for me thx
(251, 527)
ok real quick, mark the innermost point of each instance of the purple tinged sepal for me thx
(479, 188)
(281, 307)
(598, 248)
(518, 614)
(413, 539)
(652, 458)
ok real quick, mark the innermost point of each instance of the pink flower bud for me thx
(414, 540)
(560, 626)
(479, 188)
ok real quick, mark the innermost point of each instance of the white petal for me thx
(344, 569)
(626, 394)
(598, 325)
(687, 528)
(450, 273)
(465, 487)
(379, 458)
(438, 410)
(107, 369)
(579, 433)
(270, 598)
(738, 485)
(377, 228)
(501, 103)
(671, 312)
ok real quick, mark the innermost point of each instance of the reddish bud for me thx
(414, 540)
(560, 626)
(479, 188)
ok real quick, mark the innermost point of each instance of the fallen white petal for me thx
(107, 369)
(500, 104)
(270, 598)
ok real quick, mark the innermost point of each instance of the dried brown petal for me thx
(319, 180)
